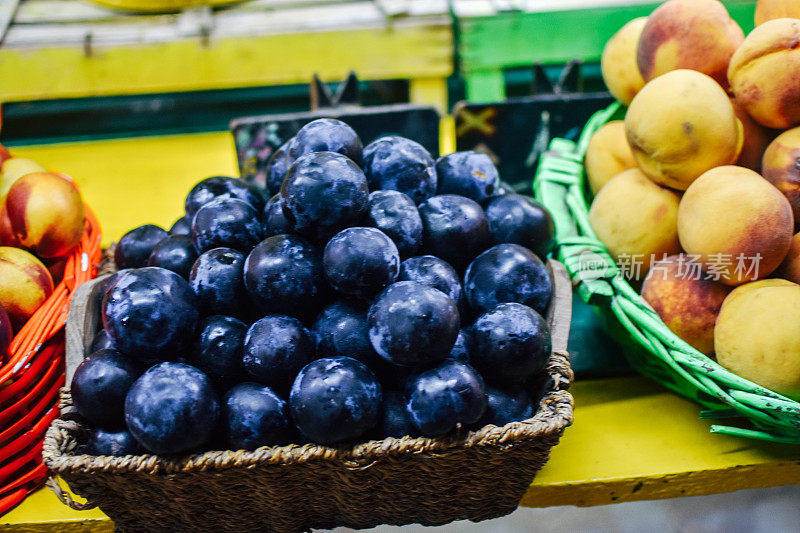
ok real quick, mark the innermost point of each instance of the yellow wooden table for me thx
(632, 440)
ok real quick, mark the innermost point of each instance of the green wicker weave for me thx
(749, 410)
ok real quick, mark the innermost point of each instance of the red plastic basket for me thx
(33, 372)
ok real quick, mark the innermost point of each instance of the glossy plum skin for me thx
(182, 226)
(323, 193)
(115, 443)
(277, 166)
(335, 399)
(273, 219)
(327, 135)
(509, 344)
(445, 397)
(395, 214)
(433, 272)
(454, 229)
(411, 324)
(505, 406)
(176, 253)
(342, 329)
(134, 248)
(469, 174)
(275, 349)
(226, 222)
(217, 187)
(254, 416)
(518, 219)
(151, 314)
(284, 275)
(101, 341)
(400, 164)
(395, 419)
(172, 408)
(460, 351)
(217, 279)
(99, 386)
(218, 348)
(507, 273)
(360, 262)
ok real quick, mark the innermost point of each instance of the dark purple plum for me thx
(217, 279)
(395, 419)
(151, 314)
(433, 272)
(507, 273)
(446, 397)
(217, 187)
(115, 443)
(275, 349)
(176, 253)
(283, 275)
(360, 262)
(411, 324)
(135, 247)
(400, 164)
(102, 340)
(226, 222)
(454, 229)
(326, 135)
(323, 193)
(109, 282)
(469, 174)
(254, 416)
(99, 386)
(342, 329)
(505, 406)
(509, 344)
(518, 219)
(218, 348)
(172, 408)
(395, 214)
(277, 165)
(182, 226)
(335, 399)
(273, 219)
(460, 351)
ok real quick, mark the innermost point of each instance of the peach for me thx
(756, 335)
(755, 140)
(681, 125)
(607, 154)
(686, 299)
(790, 268)
(688, 34)
(46, 214)
(636, 220)
(4, 156)
(763, 73)
(14, 168)
(776, 9)
(781, 167)
(618, 62)
(25, 284)
(737, 224)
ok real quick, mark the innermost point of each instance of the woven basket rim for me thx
(711, 377)
(552, 417)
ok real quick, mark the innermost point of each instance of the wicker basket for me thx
(474, 476)
(750, 410)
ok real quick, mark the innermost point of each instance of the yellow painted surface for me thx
(187, 65)
(631, 440)
(160, 6)
(431, 91)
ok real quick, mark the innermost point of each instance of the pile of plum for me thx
(327, 314)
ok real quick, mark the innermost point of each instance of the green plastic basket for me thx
(749, 410)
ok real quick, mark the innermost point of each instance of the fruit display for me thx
(377, 293)
(703, 219)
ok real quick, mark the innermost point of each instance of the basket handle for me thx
(65, 497)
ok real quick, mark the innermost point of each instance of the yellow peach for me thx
(25, 283)
(607, 154)
(618, 62)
